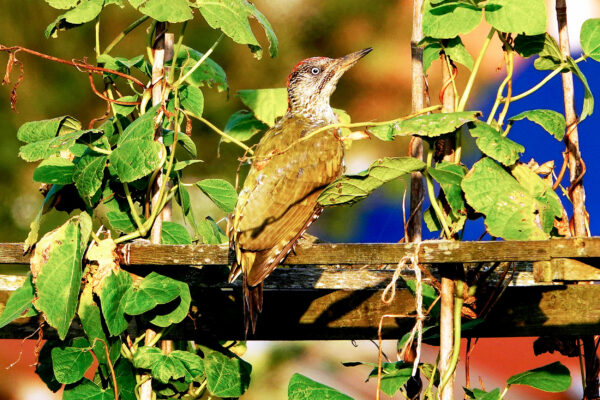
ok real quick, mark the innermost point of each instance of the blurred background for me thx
(377, 88)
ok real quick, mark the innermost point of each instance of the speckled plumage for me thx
(279, 198)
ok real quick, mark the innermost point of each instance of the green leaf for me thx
(71, 363)
(243, 125)
(211, 232)
(552, 122)
(208, 73)
(55, 170)
(303, 388)
(542, 192)
(35, 131)
(179, 165)
(113, 292)
(449, 176)
(454, 49)
(140, 129)
(590, 38)
(39, 150)
(227, 374)
(172, 11)
(122, 109)
(516, 16)
(179, 313)
(511, 211)
(18, 303)
(266, 104)
(91, 321)
(87, 390)
(528, 46)
(62, 4)
(349, 189)
(119, 215)
(183, 199)
(478, 394)
(174, 233)
(393, 376)
(86, 11)
(448, 20)
(588, 97)
(125, 379)
(177, 364)
(135, 159)
(220, 192)
(153, 290)
(231, 16)
(430, 125)
(192, 100)
(429, 296)
(493, 144)
(157, 289)
(553, 378)
(57, 264)
(88, 173)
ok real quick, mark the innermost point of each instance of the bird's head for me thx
(313, 81)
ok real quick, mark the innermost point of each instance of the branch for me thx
(79, 65)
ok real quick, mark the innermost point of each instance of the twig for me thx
(463, 100)
(76, 64)
(121, 35)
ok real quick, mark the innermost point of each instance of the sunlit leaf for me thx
(553, 378)
(552, 122)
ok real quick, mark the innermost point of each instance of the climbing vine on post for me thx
(122, 171)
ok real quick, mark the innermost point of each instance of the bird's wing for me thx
(279, 196)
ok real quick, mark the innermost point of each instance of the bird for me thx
(292, 164)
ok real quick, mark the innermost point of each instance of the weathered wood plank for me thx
(354, 254)
(352, 314)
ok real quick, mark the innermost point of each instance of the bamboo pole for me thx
(572, 136)
(577, 191)
(447, 282)
(418, 88)
(162, 49)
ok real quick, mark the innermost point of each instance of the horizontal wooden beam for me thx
(438, 251)
(354, 314)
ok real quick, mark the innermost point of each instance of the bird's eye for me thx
(315, 70)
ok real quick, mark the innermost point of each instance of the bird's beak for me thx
(346, 62)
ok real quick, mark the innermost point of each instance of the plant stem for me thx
(431, 192)
(122, 35)
(463, 100)
(551, 75)
(509, 74)
(98, 149)
(357, 125)
(176, 53)
(538, 85)
(223, 134)
(138, 222)
(97, 34)
(199, 62)
(509, 71)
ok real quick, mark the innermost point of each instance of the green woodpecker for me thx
(291, 168)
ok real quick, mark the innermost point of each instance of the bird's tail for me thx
(253, 301)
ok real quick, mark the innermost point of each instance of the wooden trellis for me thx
(333, 291)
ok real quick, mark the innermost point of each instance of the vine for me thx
(128, 166)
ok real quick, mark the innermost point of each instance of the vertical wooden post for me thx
(417, 191)
(592, 384)
(572, 137)
(447, 289)
(162, 50)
